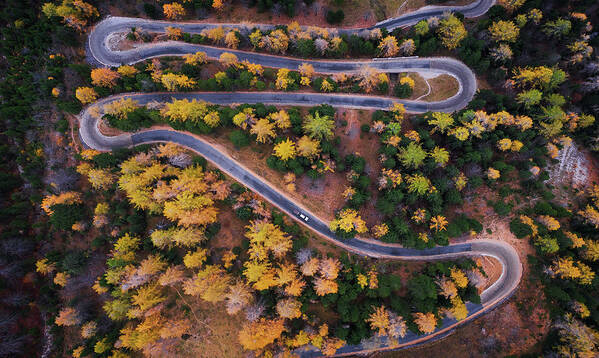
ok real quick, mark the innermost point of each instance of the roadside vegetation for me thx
(152, 251)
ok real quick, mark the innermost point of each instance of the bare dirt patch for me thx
(442, 87)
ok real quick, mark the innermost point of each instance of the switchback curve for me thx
(99, 52)
(502, 289)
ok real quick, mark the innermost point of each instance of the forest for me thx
(116, 242)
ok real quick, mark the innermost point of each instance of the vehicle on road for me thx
(301, 215)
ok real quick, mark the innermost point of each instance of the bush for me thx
(239, 138)
(519, 229)
(64, 216)
(150, 10)
(335, 17)
(402, 90)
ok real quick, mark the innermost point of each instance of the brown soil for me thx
(231, 229)
(442, 87)
(512, 328)
(215, 336)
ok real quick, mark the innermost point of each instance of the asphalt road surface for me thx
(99, 53)
(503, 252)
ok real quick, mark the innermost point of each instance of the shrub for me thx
(402, 90)
(519, 229)
(239, 138)
(335, 17)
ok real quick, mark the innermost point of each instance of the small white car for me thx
(301, 216)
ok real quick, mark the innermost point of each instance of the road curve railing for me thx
(499, 291)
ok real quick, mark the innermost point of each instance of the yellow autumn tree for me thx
(504, 31)
(349, 221)
(104, 77)
(426, 322)
(259, 334)
(174, 82)
(173, 10)
(86, 95)
(379, 320)
(68, 316)
(264, 130)
(388, 46)
(451, 31)
(289, 308)
(210, 284)
(285, 149)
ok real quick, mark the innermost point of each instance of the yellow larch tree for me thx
(173, 11)
(198, 58)
(379, 320)
(237, 297)
(451, 31)
(259, 334)
(504, 31)
(231, 39)
(323, 286)
(174, 82)
(195, 259)
(310, 267)
(173, 33)
(185, 110)
(104, 77)
(329, 268)
(349, 220)
(127, 71)
(264, 130)
(210, 284)
(86, 95)
(285, 149)
(44, 266)
(89, 329)
(438, 223)
(289, 308)
(148, 296)
(388, 46)
(458, 277)
(458, 309)
(447, 287)
(68, 316)
(426, 322)
(121, 108)
(228, 59)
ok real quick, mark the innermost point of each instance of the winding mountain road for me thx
(91, 136)
(503, 252)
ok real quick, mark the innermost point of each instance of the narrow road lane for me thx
(502, 289)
